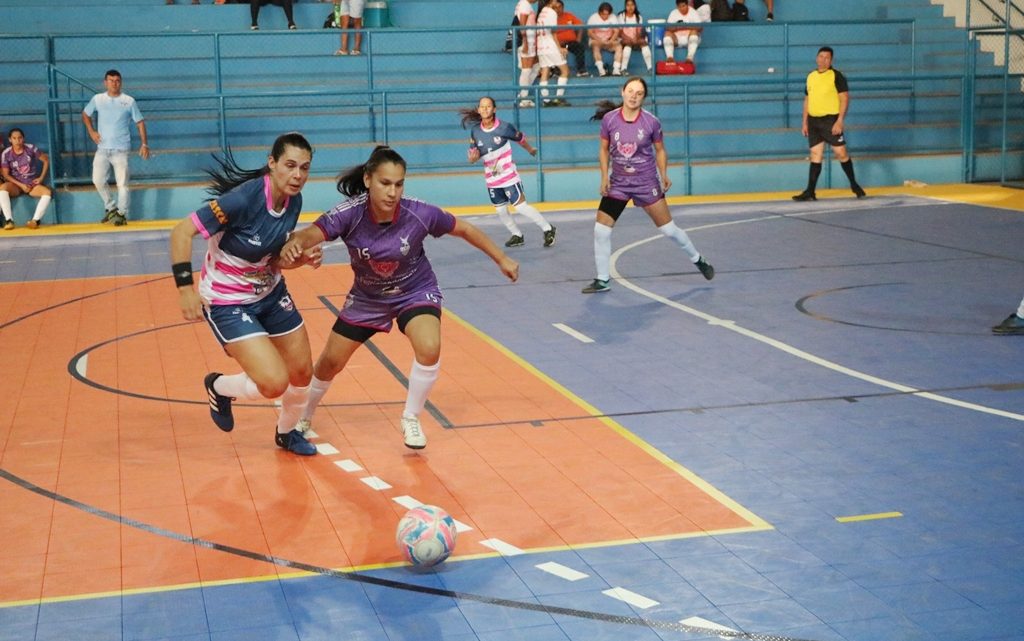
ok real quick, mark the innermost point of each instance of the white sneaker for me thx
(414, 436)
(525, 102)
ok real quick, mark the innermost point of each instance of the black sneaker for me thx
(705, 268)
(1012, 325)
(583, 74)
(858, 191)
(770, 17)
(295, 443)
(549, 237)
(804, 196)
(597, 286)
(119, 219)
(515, 241)
(220, 406)
(109, 215)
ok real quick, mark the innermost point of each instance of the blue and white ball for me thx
(426, 535)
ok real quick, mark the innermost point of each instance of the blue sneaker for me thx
(220, 406)
(1011, 326)
(295, 443)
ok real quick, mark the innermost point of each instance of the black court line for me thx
(378, 581)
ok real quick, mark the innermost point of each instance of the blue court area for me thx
(837, 379)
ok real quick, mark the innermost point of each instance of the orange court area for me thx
(104, 405)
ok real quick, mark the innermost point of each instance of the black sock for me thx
(812, 177)
(848, 170)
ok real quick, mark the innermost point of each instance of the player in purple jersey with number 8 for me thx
(384, 232)
(632, 155)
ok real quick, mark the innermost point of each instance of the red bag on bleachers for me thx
(684, 68)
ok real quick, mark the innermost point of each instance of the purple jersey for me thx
(388, 260)
(23, 167)
(631, 148)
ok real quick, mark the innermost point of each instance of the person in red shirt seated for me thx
(571, 39)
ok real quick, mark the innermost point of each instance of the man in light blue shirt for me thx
(113, 137)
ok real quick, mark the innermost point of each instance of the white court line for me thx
(376, 483)
(349, 465)
(580, 336)
(502, 548)
(784, 347)
(325, 448)
(561, 571)
(82, 365)
(630, 597)
(461, 527)
(407, 502)
(698, 622)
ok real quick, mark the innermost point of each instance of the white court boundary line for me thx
(785, 347)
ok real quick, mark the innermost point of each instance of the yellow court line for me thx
(869, 517)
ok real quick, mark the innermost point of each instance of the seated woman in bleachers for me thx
(24, 169)
(633, 37)
(254, 11)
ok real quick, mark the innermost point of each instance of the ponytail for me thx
(350, 182)
(229, 175)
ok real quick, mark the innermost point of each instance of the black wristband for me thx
(182, 273)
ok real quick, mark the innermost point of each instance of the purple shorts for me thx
(379, 313)
(642, 194)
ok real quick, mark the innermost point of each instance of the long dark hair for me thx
(350, 182)
(605, 106)
(470, 115)
(228, 175)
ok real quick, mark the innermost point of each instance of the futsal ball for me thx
(426, 535)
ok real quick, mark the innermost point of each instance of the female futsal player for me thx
(491, 139)
(632, 155)
(384, 232)
(241, 291)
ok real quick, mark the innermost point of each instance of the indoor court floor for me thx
(824, 443)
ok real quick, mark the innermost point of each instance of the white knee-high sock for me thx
(1020, 308)
(602, 249)
(531, 212)
(506, 219)
(562, 81)
(293, 402)
(670, 47)
(534, 72)
(525, 80)
(691, 46)
(317, 389)
(626, 53)
(237, 386)
(646, 52)
(681, 238)
(421, 380)
(543, 88)
(44, 202)
(5, 204)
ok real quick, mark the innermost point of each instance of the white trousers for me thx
(101, 164)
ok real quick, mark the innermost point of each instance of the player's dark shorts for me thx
(274, 315)
(619, 196)
(362, 317)
(506, 195)
(819, 130)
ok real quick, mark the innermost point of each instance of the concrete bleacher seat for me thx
(734, 109)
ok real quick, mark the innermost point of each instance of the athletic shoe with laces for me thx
(597, 286)
(32, 224)
(119, 219)
(8, 224)
(1012, 325)
(108, 215)
(705, 268)
(549, 237)
(770, 16)
(220, 405)
(858, 191)
(413, 432)
(515, 241)
(295, 443)
(804, 196)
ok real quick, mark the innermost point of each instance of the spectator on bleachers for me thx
(24, 169)
(740, 12)
(550, 54)
(605, 35)
(571, 39)
(720, 11)
(528, 68)
(689, 36)
(349, 12)
(113, 138)
(634, 37)
(254, 11)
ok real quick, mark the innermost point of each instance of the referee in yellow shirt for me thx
(826, 99)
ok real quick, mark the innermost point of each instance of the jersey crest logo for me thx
(640, 133)
(384, 268)
(405, 245)
(627, 149)
(497, 140)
